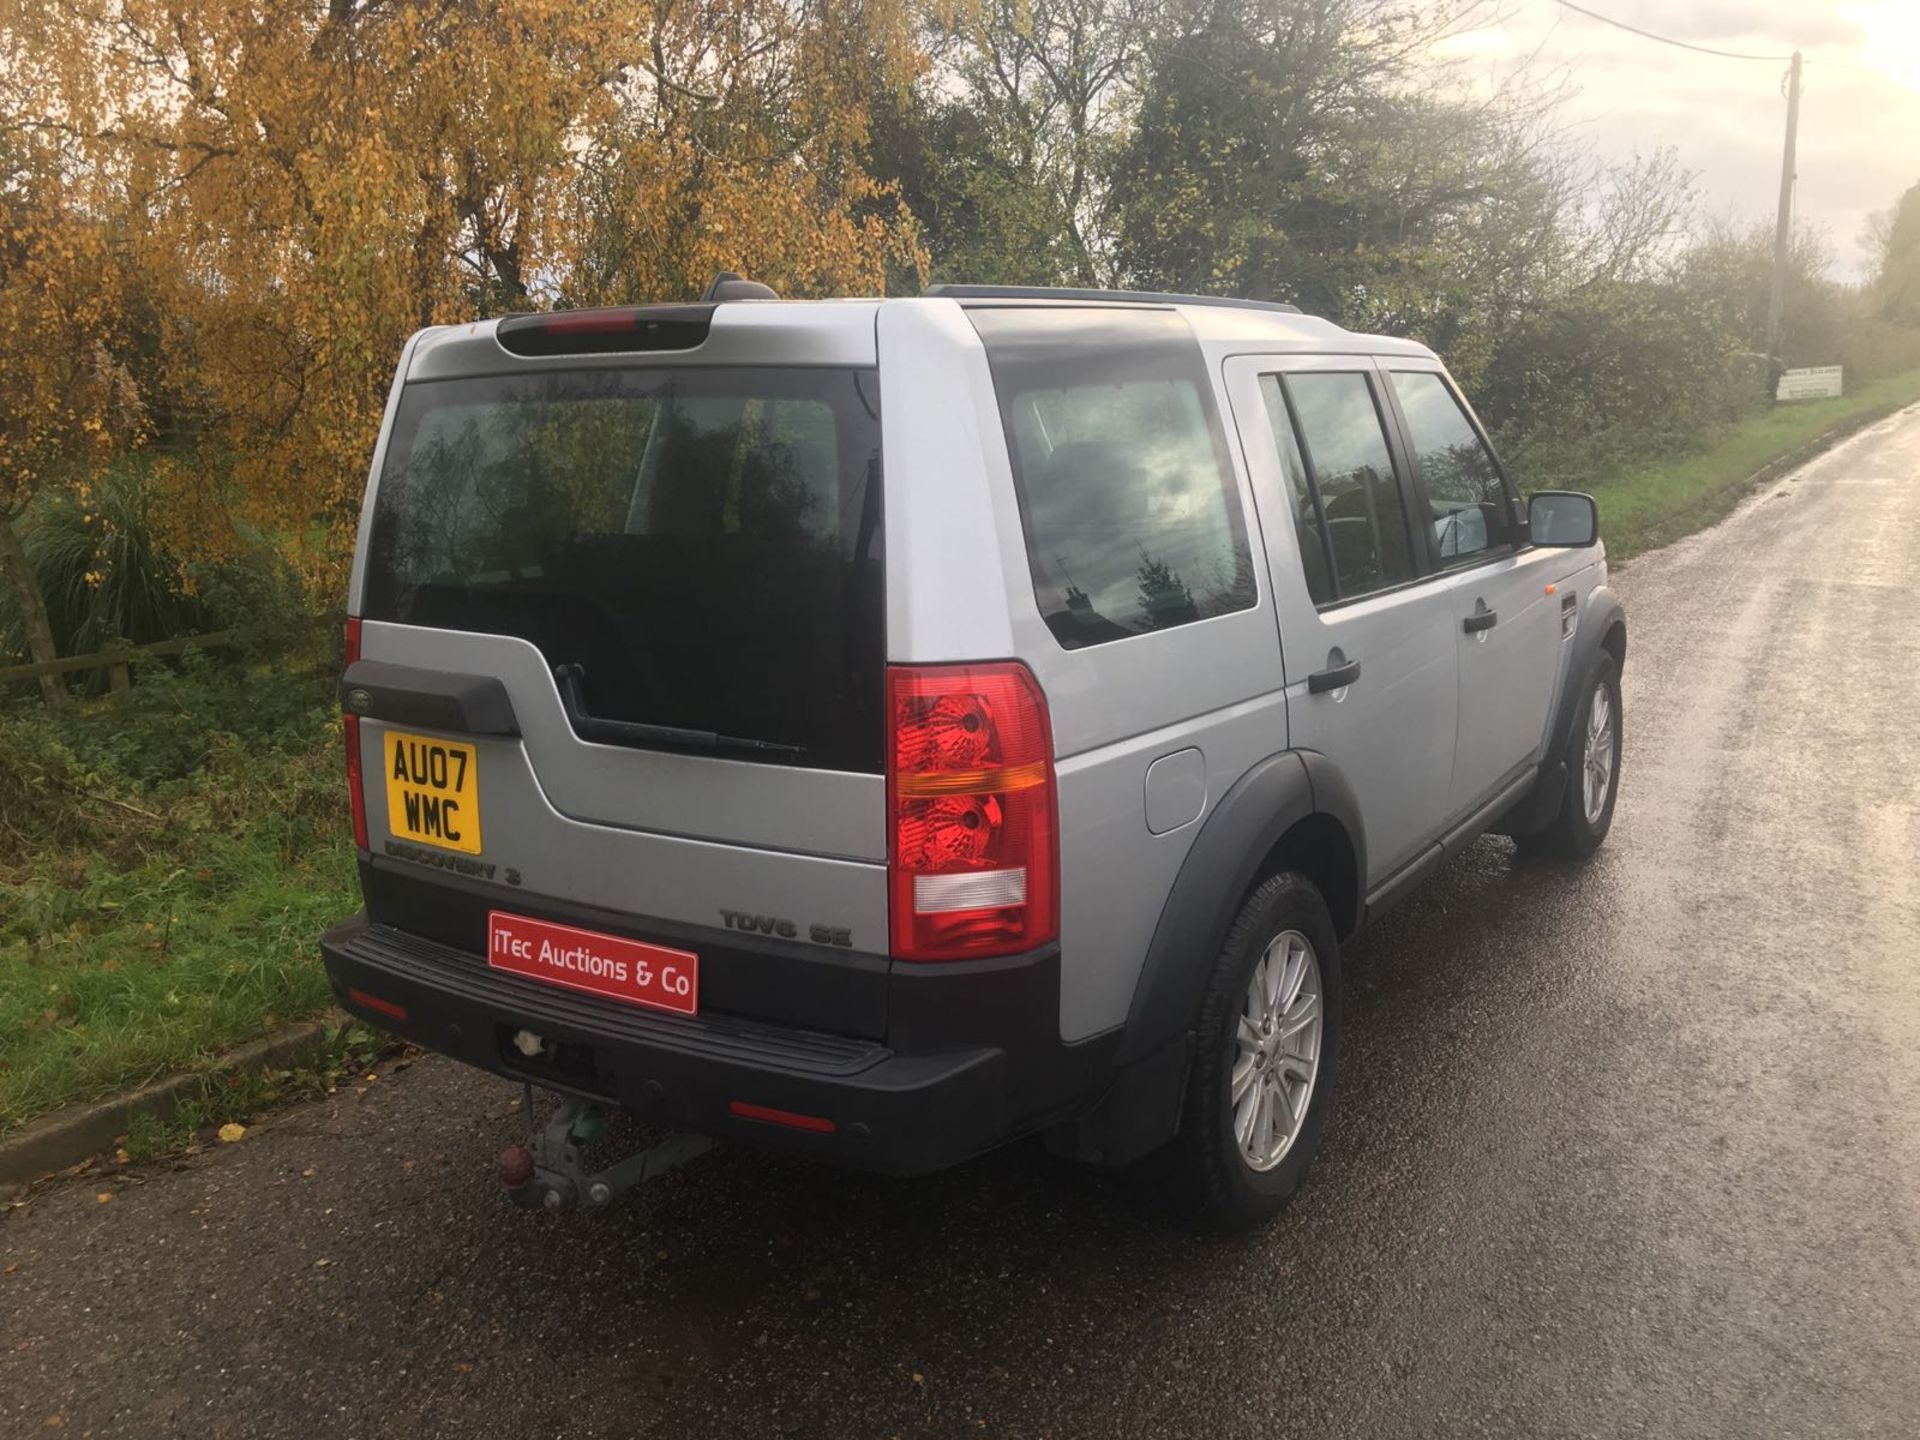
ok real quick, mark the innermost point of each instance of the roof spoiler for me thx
(729, 286)
(606, 332)
(626, 328)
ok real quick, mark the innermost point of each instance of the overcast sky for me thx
(1859, 128)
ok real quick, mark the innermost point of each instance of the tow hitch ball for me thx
(548, 1174)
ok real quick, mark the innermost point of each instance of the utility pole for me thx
(1783, 226)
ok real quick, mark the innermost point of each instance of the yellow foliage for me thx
(68, 403)
(292, 188)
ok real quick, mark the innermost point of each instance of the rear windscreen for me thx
(704, 543)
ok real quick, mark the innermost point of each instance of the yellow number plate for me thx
(433, 791)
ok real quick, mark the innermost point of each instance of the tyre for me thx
(1593, 771)
(1261, 1085)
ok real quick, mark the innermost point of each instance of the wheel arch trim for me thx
(1603, 625)
(1227, 858)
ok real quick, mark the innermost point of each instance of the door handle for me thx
(1480, 620)
(1335, 677)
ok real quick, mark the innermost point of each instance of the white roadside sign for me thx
(1811, 384)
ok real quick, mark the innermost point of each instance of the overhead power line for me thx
(1731, 54)
(1668, 39)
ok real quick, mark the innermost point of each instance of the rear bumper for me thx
(931, 1096)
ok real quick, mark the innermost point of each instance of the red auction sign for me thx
(628, 970)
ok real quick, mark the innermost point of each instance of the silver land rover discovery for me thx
(884, 728)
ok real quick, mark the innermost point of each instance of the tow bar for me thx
(548, 1175)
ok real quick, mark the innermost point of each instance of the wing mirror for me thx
(1562, 517)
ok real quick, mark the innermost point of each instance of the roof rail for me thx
(1134, 297)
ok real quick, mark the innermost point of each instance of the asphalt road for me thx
(1625, 1149)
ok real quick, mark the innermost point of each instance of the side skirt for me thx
(1397, 886)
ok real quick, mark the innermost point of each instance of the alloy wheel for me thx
(1277, 1050)
(1596, 767)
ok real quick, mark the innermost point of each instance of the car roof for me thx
(1267, 323)
(841, 331)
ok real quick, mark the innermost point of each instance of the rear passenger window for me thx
(1314, 559)
(1349, 471)
(1471, 513)
(1126, 492)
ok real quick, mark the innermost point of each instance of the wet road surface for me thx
(1619, 1150)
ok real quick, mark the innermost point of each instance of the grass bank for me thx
(166, 863)
(1647, 506)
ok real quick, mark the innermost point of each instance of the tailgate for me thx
(669, 579)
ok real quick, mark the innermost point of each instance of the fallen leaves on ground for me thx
(231, 1132)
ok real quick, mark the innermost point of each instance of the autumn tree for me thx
(69, 402)
(306, 183)
(738, 140)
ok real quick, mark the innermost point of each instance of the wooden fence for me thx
(115, 661)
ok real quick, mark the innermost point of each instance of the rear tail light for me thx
(973, 864)
(354, 786)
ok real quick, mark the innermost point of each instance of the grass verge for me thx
(240, 1096)
(1647, 506)
(160, 901)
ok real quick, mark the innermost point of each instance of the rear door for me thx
(671, 563)
(1507, 617)
(1366, 632)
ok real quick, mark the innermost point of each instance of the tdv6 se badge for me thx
(785, 929)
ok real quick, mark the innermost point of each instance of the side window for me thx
(1472, 515)
(1314, 559)
(1360, 516)
(1127, 496)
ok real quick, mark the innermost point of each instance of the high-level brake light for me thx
(606, 332)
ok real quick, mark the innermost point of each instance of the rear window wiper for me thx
(640, 735)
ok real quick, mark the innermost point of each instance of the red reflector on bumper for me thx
(819, 1124)
(376, 1004)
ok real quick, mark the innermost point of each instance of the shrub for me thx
(200, 746)
(107, 578)
(100, 572)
